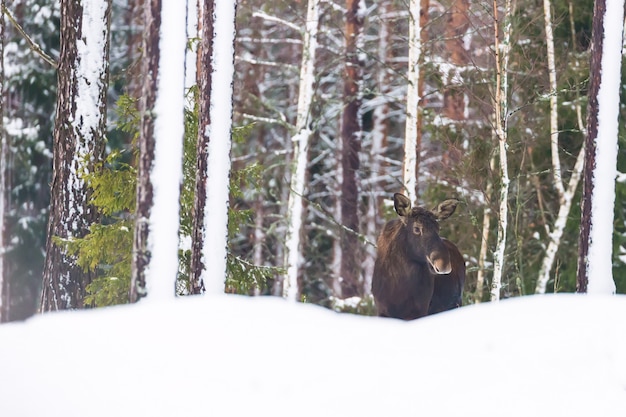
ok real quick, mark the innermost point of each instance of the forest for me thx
(336, 106)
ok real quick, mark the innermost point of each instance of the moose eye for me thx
(417, 230)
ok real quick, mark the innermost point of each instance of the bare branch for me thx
(33, 46)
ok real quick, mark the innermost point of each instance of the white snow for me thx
(91, 70)
(91, 66)
(599, 259)
(166, 173)
(551, 355)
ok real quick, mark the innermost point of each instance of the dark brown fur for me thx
(406, 283)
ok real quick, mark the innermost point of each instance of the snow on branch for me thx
(270, 18)
(334, 6)
(266, 63)
(269, 120)
(268, 40)
(33, 45)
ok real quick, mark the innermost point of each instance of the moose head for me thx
(422, 232)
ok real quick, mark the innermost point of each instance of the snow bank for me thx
(540, 355)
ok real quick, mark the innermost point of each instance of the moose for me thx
(417, 272)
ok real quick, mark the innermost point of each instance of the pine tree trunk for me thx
(145, 190)
(209, 235)
(351, 146)
(134, 20)
(456, 25)
(595, 272)
(204, 76)
(155, 248)
(80, 127)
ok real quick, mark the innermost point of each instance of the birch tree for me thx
(79, 132)
(411, 151)
(159, 172)
(565, 194)
(595, 260)
(295, 209)
(215, 80)
(502, 50)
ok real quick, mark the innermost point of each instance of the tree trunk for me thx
(595, 261)
(380, 129)
(411, 151)
(135, 22)
(204, 75)
(295, 209)
(155, 248)
(215, 75)
(456, 25)
(80, 127)
(145, 189)
(565, 194)
(424, 8)
(484, 240)
(500, 115)
(4, 192)
(351, 146)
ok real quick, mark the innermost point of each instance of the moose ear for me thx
(445, 209)
(402, 205)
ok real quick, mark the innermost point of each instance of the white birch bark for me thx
(554, 127)
(565, 194)
(295, 209)
(559, 225)
(501, 114)
(484, 241)
(409, 175)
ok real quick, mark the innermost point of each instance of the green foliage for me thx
(128, 115)
(113, 186)
(106, 250)
(243, 277)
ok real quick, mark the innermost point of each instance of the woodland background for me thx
(458, 149)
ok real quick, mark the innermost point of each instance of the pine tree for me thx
(159, 171)
(351, 134)
(78, 146)
(595, 263)
(209, 235)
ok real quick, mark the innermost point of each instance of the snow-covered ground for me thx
(554, 355)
